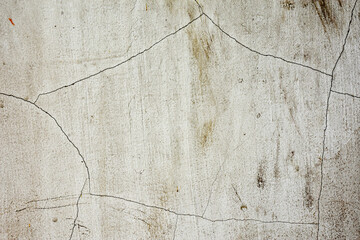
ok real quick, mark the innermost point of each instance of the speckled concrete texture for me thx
(180, 119)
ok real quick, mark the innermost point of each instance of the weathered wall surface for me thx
(180, 119)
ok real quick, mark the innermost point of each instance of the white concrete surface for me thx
(180, 119)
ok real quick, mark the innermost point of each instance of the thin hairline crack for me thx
(72, 143)
(173, 33)
(326, 117)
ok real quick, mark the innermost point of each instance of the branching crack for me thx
(266, 54)
(77, 210)
(72, 143)
(121, 63)
(169, 210)
(326, 117)
(59, 126)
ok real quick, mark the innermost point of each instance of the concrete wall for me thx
(180, 119)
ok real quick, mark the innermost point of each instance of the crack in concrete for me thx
(77, 210)
(200, 216)
(72, 143)
(121, 63)
(173, 33)
(266, 54)
(168, 210)
(57, 123)
(326, 118)
(175, 227)
(212, 185)
(344, 93)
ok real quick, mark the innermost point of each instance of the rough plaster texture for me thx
(180, 119)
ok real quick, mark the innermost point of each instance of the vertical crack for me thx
(326, 118)
(177, 216)
(77, 210)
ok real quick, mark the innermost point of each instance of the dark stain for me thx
(306, 56)
(1, 104)
(308, 198)
(55, 219)
(260, 178)
(154, 225)
(170, 5)
(324, 12)
(340, 3)
(276, 166)
(288, 4)
(201, 50)
(206, 132)
(191, 12)
(202, 96)
(258, 115)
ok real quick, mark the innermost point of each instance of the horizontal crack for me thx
(346, 94)
(199, 216)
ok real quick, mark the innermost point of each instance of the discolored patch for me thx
(260, 180)
(308, 198)
(325, 13)
(170, 5)
(288, 4)
(201, 51)
(205, 134)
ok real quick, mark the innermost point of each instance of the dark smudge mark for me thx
(206, 132)
(288, 4)
(324, 13)
(308, 198)
(261, 178)
(202, 96)
(276, 166)
(340, 3)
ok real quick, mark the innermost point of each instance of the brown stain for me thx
(260, 179)
(276, 166)
(325, 13)
(289, 100)
(340, 3)
(201, 51)
(288, 4)
(170, 5)
(205, 134)
(203, 100)
(1, 104)
(308, 198)
(154, 225)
